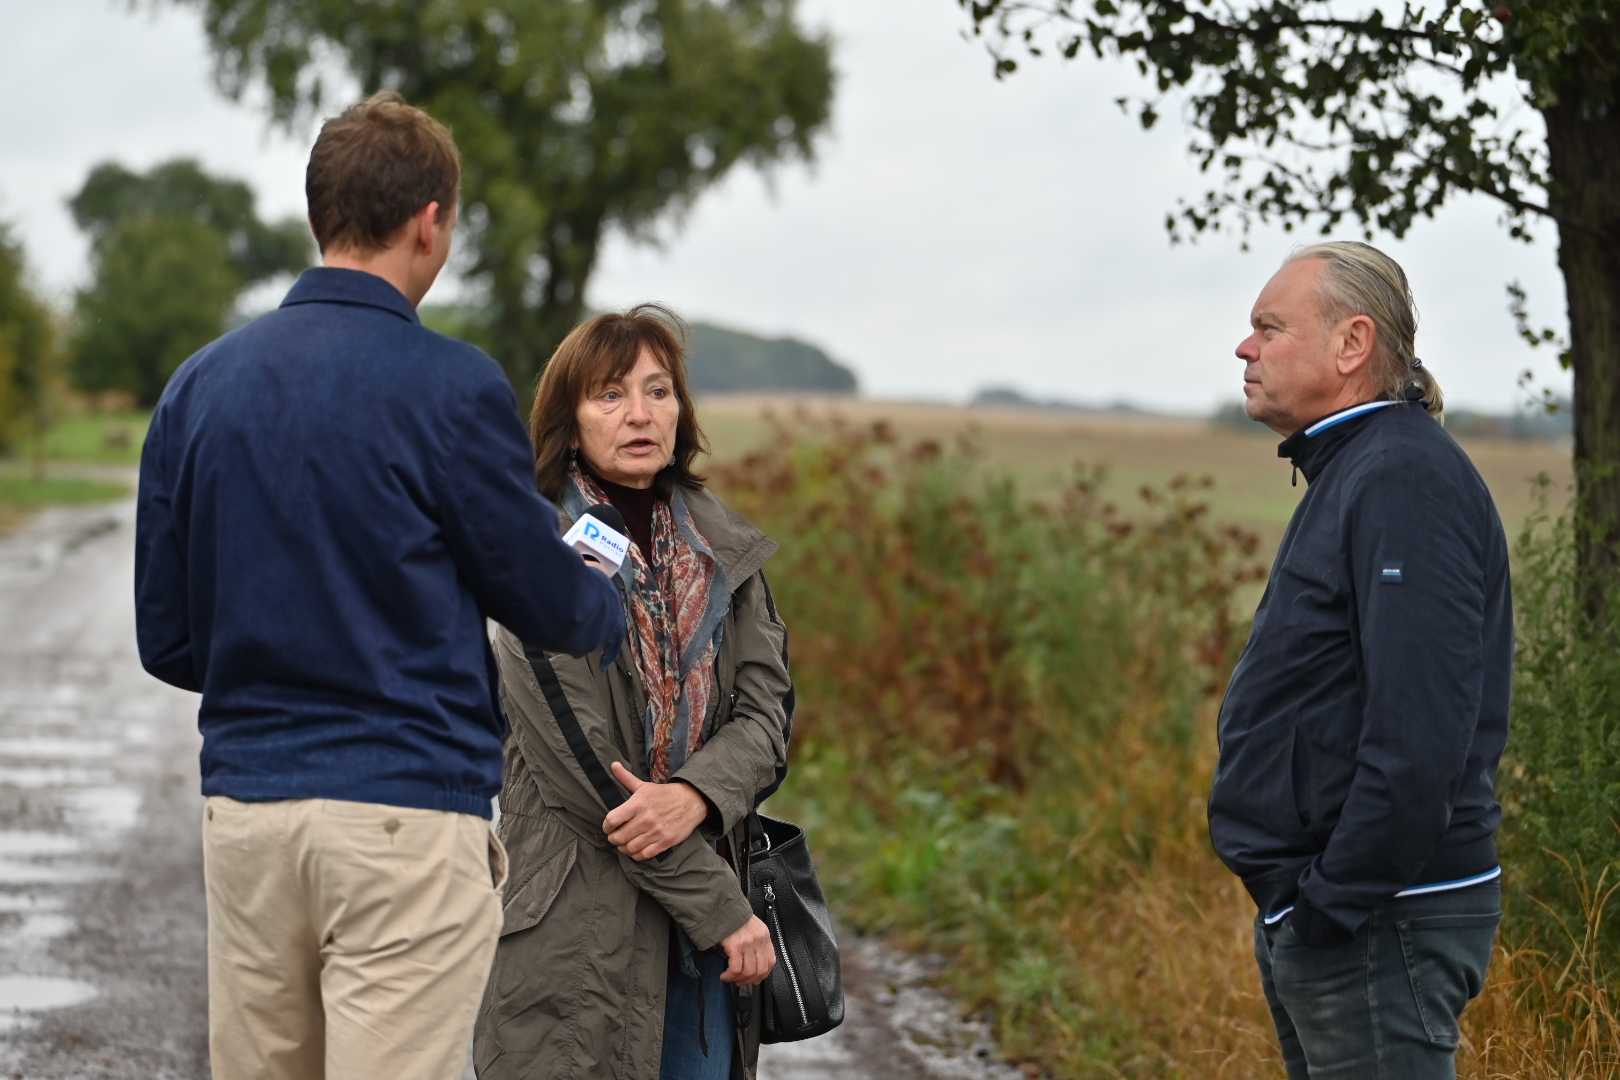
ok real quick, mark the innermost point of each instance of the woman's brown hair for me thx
(597, 352)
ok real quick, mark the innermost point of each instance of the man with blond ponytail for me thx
(1362, 729)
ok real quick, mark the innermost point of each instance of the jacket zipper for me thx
(787, 962)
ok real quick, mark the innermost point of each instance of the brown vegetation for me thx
(1005, 740)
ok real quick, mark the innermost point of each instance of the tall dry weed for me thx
(1005, 738)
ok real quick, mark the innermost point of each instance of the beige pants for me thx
(346, 940)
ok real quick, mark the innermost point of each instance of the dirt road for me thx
(102, 970)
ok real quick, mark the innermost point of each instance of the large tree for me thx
(171, 249)
(573, 116)
(1320, 113)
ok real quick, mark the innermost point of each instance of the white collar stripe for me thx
(1340, 417)
(1447, 886)
(1278, 916)
(1418, 890)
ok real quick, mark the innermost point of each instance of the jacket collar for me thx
(1317, 443)
(331, 285)
(738, 545)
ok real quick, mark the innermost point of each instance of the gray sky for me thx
(955, 232)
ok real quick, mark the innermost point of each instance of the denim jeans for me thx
(683, 1050)
(1386, 1005)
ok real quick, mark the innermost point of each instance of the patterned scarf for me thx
(675, 614)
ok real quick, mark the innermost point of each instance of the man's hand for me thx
(655, 818)
(750, 952)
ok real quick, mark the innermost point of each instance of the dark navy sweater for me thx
(333, 498)
(1361, 732)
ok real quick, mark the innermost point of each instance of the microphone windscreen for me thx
(609, 515)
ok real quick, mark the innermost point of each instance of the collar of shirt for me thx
(1314, 445)
(332, 285)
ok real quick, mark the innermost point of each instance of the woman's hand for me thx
(655, 818)
(750, 952)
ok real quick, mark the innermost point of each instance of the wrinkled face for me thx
(1289, 375)
(626, 428)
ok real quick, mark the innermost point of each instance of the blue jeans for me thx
(1386, 1005)
(683, 1049)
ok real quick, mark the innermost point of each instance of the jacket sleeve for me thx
(162, 598)
(503, 535)
(691, 881)
(1417, 559)
(748, 755)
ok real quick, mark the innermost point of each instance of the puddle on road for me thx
(65, 694)
(42, 747)
(11, 903)
(42, 926)
(30, 713)
(37, 993)
(37, 843)
(112, 809)
(34, 778)
(24, 859)
(13, 872)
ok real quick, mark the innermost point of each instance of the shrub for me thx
(1006, 735)
(1560, 786)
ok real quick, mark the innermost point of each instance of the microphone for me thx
(600, 533)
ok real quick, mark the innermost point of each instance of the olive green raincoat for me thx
(577, 990)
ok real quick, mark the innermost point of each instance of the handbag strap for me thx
(563, 711)
(789, 700)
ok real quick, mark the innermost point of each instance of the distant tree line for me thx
(171, 251)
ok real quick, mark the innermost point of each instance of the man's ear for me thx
(1357, 337)
(426, 233)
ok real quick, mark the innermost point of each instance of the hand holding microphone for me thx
(599, 536)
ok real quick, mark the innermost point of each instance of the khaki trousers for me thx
(347, 941)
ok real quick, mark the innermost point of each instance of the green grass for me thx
(98, 438)
(78, 450)
(27, 493)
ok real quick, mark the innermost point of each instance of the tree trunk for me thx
(42, 427)
(1583, 143)
(529, 329)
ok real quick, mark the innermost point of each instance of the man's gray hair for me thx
(1358, 279)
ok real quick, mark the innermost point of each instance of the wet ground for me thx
(102, 962)
(101, 913)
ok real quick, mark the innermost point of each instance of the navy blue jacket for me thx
(333, 498)
(1362, 728)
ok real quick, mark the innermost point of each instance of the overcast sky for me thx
(955, 233)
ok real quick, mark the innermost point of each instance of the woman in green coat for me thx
(629, 950)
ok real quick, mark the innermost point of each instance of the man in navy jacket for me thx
(1362, 729)
(333, 500)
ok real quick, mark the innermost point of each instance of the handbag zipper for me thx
(787, 963)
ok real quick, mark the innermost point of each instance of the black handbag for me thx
(803, 996)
